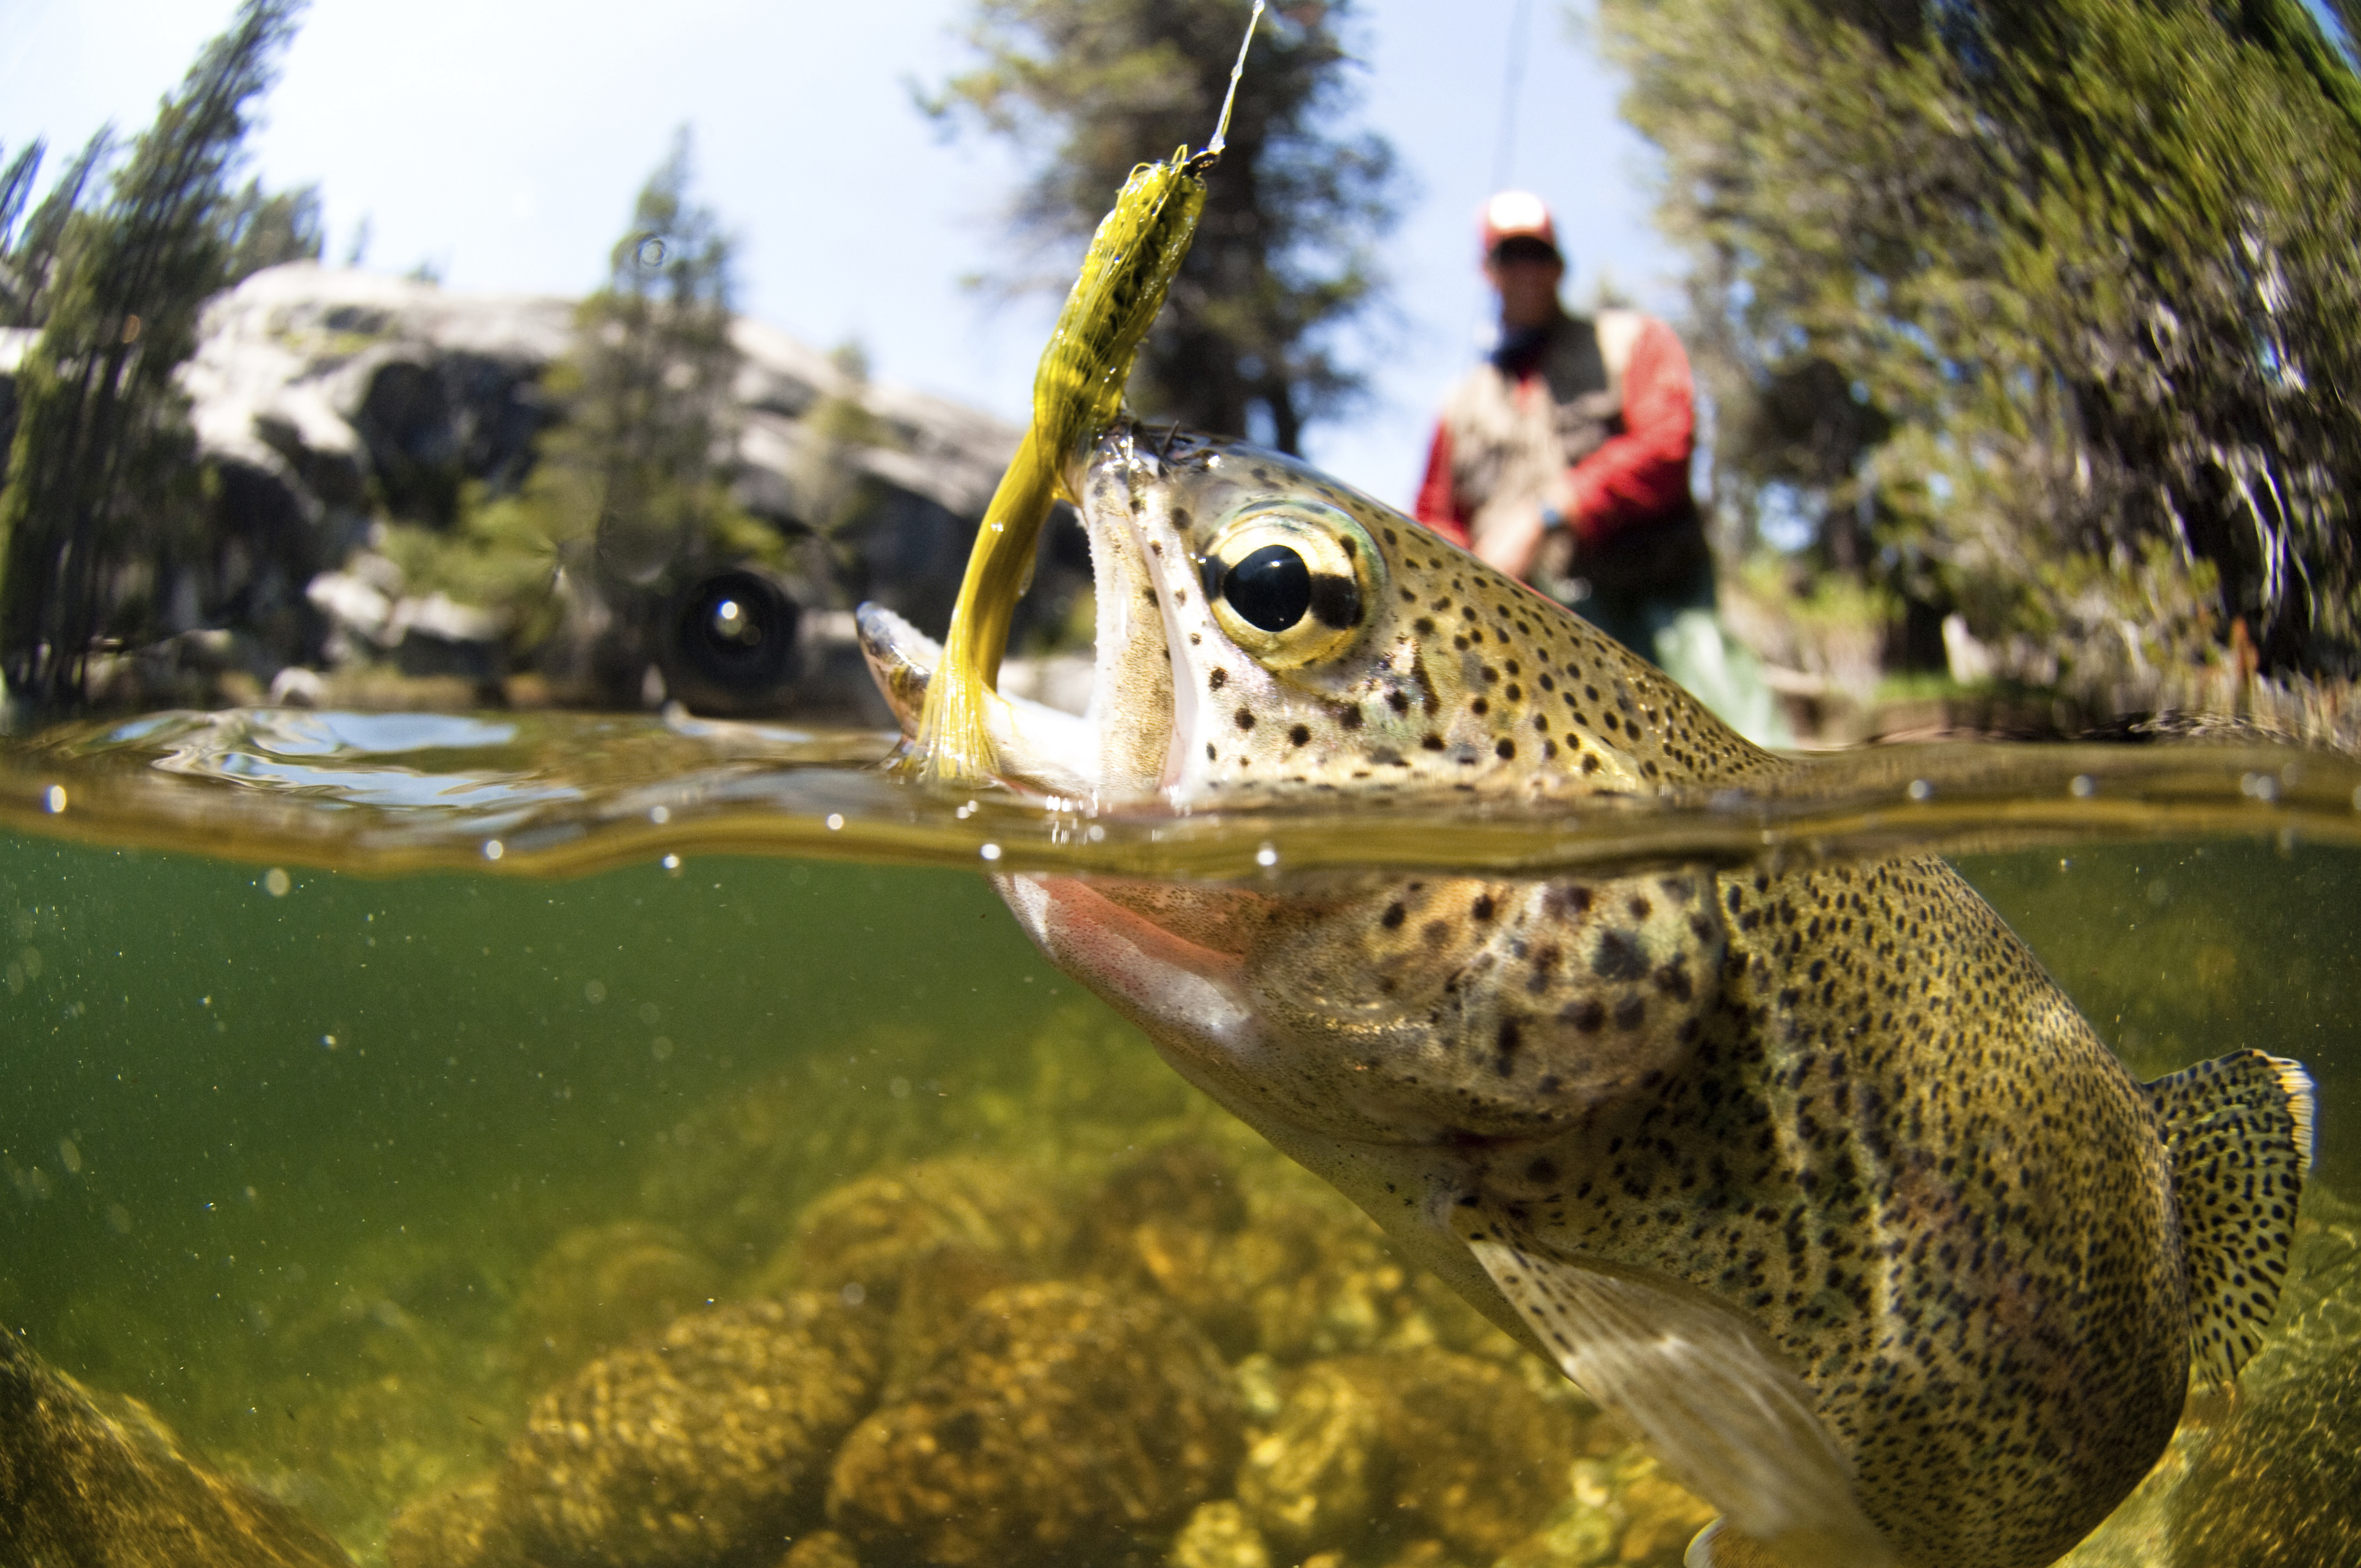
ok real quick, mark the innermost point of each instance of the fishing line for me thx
(1221, 131)
(1511, 84)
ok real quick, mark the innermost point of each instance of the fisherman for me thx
(1564, 460)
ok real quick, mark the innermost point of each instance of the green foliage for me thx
(637, 465)
(267, 229)
(1286, 253)
(631, 486)
(28, 255)
(104, 486)
(2004, 295)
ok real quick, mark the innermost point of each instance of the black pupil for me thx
(1271, 589)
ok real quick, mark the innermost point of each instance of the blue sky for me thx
(504, 142)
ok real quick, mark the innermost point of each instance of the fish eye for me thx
(1271, 587)
(1290, 582)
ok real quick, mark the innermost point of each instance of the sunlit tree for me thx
(2024, 304)
(103, 475)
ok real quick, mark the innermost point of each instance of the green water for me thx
(294, 1153)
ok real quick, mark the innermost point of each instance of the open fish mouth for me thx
(1127, 743)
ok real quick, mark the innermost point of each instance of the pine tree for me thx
(103, 476)
(2022, 301)
(629, 496)
(1286, 253)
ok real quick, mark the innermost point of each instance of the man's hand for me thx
(1514, 543)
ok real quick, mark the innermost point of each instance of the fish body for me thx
(1813, 1178)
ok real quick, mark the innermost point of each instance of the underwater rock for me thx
(2278, 1483)
(1423, 1443)
(1623, 1509)
(601, 1285)
(865, 1236)
(463, 1528)
(931, 1304)
(821, 1548)
(1219, 1535)
(705, 1441)
(1299, 1280)
(1060, 1421)
(1185, 1181)
(1311, 1481)
(1479, 1458)
(86, 1483)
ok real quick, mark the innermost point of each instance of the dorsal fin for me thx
(2239, 1130)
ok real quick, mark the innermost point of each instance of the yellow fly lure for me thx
(1077, 394)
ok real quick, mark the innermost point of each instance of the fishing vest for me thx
(1508, 442)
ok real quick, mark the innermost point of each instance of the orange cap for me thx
(1516, 214)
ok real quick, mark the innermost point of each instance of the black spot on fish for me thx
(1631, 1012)
(1298, 735)
(1483, 908)
(1218, 677)
(1245, 719)
(1566, 901)
(1479, 707)
(1505, 1043)
(1397, 699)
(1433, 742)
(1618, 956)
(1396, 912)
(1505, 749)
(1640, 907)
(1210, 755)
(1180, 519)
(1348, 718)
(1587, 1016)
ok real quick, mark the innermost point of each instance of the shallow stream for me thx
(375, 1083)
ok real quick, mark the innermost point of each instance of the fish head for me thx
(1266, 635)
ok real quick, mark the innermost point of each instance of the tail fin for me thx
(2239, 1131)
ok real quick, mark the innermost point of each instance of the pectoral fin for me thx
(1716, 1403)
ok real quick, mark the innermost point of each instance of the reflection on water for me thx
(643, 1216)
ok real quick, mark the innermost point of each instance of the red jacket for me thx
(1637, 476)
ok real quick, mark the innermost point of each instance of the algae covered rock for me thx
(821, 1548)
(861, 1239)
(598, 1285)
(463, 1528)
(2278, 1482)
(1311, 1480)
(1418, 1445)
(706, 1441)
(1219, 1535)
(1061, 1420)
(87, 1483)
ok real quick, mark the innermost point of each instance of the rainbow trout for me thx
(1812, 1179)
